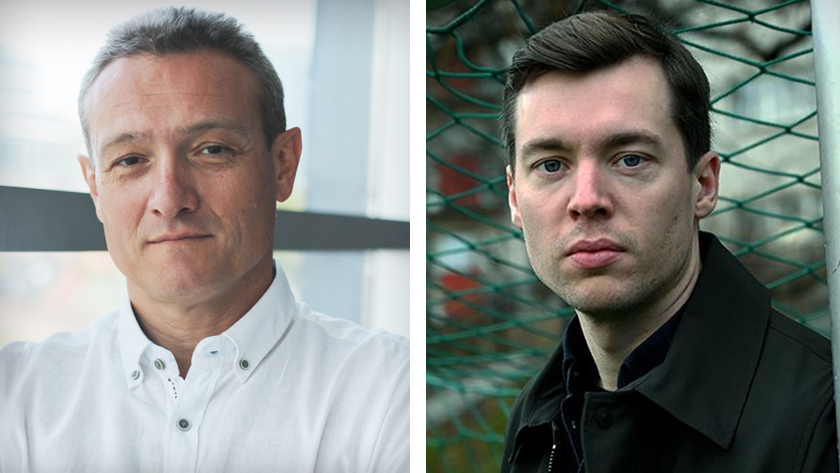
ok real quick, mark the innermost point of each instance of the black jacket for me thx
(742, 389)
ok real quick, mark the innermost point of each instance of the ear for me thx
(705, 183)
(515, 217)
(90, 177)
(285, 153)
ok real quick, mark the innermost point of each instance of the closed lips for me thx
(593, 246)
(177, 237)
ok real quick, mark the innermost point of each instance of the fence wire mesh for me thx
(490, 324)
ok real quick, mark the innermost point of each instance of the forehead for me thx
(145, 91)
(577, 107)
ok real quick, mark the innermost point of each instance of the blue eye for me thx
(551, 165)
(632, 160)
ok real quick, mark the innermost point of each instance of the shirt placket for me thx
(186, 416)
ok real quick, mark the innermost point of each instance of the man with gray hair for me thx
(210, 364)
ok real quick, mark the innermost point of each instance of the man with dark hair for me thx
(210, 364)
(675, 361)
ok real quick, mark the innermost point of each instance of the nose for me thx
(590, 194)
(173, 193)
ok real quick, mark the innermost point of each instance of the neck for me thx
(611, 339)
(179, 326)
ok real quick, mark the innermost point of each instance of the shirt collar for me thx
(256, 333)
(651, 353)
(253, 336)
(580, 372)
(132, 343)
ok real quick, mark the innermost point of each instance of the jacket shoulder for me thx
(794, 381)
(799, 360)
(794, 336)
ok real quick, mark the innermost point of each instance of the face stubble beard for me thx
(642, 289)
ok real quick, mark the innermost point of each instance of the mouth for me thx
(179, 238)
(594, 254)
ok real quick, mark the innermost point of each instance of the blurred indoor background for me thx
(344, 67)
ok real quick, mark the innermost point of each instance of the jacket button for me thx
(604, 418)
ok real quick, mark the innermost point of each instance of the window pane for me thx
(45, 293)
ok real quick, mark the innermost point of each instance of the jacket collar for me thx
(541, 397)
(539, 400)
(716, 347)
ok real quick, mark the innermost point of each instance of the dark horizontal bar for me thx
(46, 220)
(315, 231)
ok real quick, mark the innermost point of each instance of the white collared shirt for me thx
(284, 389)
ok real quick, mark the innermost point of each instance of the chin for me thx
(174, 283)
(604, 297)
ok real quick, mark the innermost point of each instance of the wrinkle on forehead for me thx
(143, 72)
(148, 83)
(184, 130)
(611, 99)
(143, 105)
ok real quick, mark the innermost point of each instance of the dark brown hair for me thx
(596, 40)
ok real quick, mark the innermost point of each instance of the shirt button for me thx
(135, 374)
(604, 418)
(159, 364)
(244, 364)
(184, 424)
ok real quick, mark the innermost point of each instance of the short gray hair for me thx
(171, 30)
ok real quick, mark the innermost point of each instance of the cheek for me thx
(670, 205)
(674, 223)
(257, 198)
(251, 203)
(542, 228)
(121, 207)
(542, 215)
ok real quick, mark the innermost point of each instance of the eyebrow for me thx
(125, 138)
(194, 129)
(611, 141)
(632, 137)
(544, 144)
(213, 124)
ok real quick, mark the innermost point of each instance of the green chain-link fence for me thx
(489, 323)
